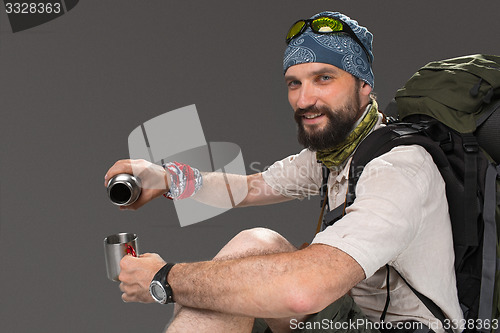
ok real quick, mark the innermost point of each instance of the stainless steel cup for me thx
(124, 189)
(115, 248)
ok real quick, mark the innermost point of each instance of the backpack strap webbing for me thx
(382, 141)
(433, 308)
(378, 143)
(388, 297)
(471, 208)
(323, 190)
(489, 264)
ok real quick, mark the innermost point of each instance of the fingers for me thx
(121, 166)
(133, 287)
(136, 275)
(148, 255)
(126, 262)
(135, 293)
(141, 201)
(126, 298)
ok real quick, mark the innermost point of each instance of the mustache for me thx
(312, 109)
(299, 113)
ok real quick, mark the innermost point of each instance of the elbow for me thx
(300, 306)
(319, 284)
(303, 300)
(309, 295)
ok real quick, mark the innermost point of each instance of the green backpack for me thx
(463, 94)
(452, 109)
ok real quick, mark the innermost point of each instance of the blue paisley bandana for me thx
(337, 49)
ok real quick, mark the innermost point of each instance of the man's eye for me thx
(294, 83)
(325, 77)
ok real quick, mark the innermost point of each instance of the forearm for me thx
(230, 190)
(222, 190)
(268, 286)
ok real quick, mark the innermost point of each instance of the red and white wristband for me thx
(185, 181)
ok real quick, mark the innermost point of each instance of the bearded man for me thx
(398, 227)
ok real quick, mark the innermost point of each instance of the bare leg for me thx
(250, 242)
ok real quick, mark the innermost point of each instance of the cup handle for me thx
(130, 250)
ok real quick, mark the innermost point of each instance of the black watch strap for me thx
(161, 276)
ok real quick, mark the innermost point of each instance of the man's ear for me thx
(364, 93)
(365, 89)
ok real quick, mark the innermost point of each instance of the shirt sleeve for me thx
(387, 213)
(297, 176)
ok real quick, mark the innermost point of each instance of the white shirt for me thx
(400, 217)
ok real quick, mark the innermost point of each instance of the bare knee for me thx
(262, 238)
(256, 241)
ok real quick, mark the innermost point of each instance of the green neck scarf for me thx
(337, 155)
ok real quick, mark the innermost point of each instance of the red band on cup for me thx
(130, 250)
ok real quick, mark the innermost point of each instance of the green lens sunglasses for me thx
(324, 25)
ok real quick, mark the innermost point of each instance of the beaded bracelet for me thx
(185, 181)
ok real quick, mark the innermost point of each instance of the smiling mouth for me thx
(312, 116)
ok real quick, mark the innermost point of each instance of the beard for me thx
(340, 123)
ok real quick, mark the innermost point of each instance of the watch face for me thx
(158, 292)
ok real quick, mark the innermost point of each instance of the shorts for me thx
(341, 316)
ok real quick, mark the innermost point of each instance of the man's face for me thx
(327, 103)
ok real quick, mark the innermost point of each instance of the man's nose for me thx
(307, 96)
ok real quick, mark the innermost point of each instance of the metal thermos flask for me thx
(124, 189)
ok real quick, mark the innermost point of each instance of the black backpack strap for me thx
(386, 138)
(433, 308)
(375, 144)
(323, 190)
(388, 297)
(333, 216)
(489, 265)
(379, 142)
(382, 141)
(470, 208)
(487, 131)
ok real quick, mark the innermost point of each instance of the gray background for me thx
(74, 88)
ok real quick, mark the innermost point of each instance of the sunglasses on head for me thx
(324, 25)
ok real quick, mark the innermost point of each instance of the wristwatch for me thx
(159, 287)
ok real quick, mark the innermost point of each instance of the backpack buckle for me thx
(447, 144)
(470, 145)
